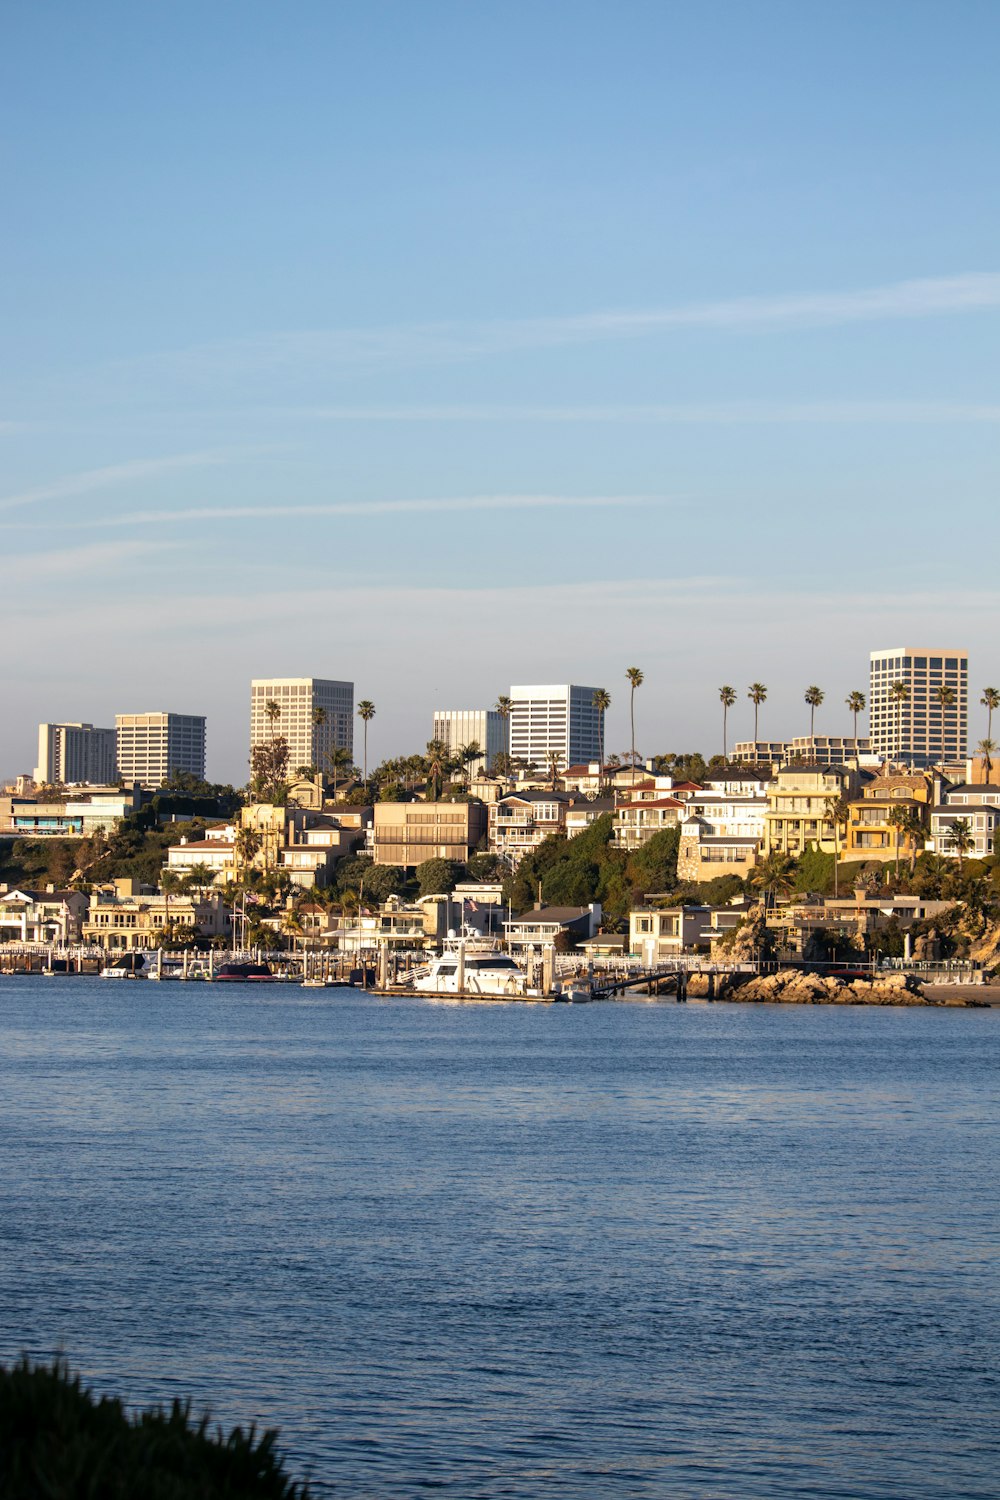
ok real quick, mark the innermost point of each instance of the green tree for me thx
(990, 701)
(837, 812)
(814, 697)
(757, 693)
(774, 876)
(959, 836)
(856, 704)
(366, 712)
(338, 759)
(898, 820)
(503, 709)
(727, 697)
(437, 765)
(899, 694)
(437, 876)
(635, 679)
(986, 749)
(602, 702)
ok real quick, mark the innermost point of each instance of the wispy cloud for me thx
(82, 562)
(432, 343)
(461, 504)
(116, 474)
(720, 413)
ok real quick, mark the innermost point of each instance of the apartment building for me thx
(798, 816)
(458, 728)
(69, 753)
(928, 723)
(871, 832)
(408, 833)
(315, 716)
(151, 746)
(975, 807)
(557, 719)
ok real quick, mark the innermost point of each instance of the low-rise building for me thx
(657, 934)
(126, 914)
(798, 814)
(977, 809)
(72, 815)
(636, 822)
(48, 916)
(520, 821)
(409, 833)
(295, 841)
(545, 926)
(872, 833)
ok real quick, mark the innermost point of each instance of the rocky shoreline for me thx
(794, 987)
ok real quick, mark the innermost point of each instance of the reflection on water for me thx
(629, 1250)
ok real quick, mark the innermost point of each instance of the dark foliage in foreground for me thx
(59, 1441)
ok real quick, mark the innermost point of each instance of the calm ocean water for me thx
(620, 1250)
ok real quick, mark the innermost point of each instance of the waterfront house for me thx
(48, 916)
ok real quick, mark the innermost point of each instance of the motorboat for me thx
(456, 973)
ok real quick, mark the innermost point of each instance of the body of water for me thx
(628, 1250)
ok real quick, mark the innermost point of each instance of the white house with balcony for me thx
(978, 807)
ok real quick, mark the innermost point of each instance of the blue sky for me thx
(442, 346)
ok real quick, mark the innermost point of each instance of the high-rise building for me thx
(75, 752)
(459, 727)
(928, 723)
(315, 716)
(152, 746)
(555, 719)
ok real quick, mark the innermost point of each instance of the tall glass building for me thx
(298, 698)
(930, 722)
(554, 719)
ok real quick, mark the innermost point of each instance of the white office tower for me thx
(71, 753)
(928, 723)
(315, 715)
(555, 719)
(151, 747)
(460, 727)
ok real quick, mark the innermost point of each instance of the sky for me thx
(446, 346)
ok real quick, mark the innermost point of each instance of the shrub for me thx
(61, 1442)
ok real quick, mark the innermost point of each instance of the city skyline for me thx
(661, 723)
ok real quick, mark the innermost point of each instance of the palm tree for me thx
(553, 761)
(503, 709)
(814, 697)
(757, 693)
(437, 765)
(986, 748)
(468, 755)
(634, 676)
(961, 839)
(338, 759)
(990, 700)
(727, 697)
(198, 877)
(272, 713)
(773, 877)
(914, 830)
(898, 821)
(366, 712)
(837, 811)
(856, 704)
(602, 702)
(899, 694)
(170, 884)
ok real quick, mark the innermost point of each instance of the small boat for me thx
(242, 973)
(314, 984)
(127, 966)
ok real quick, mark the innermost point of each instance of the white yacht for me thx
(455, 973)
